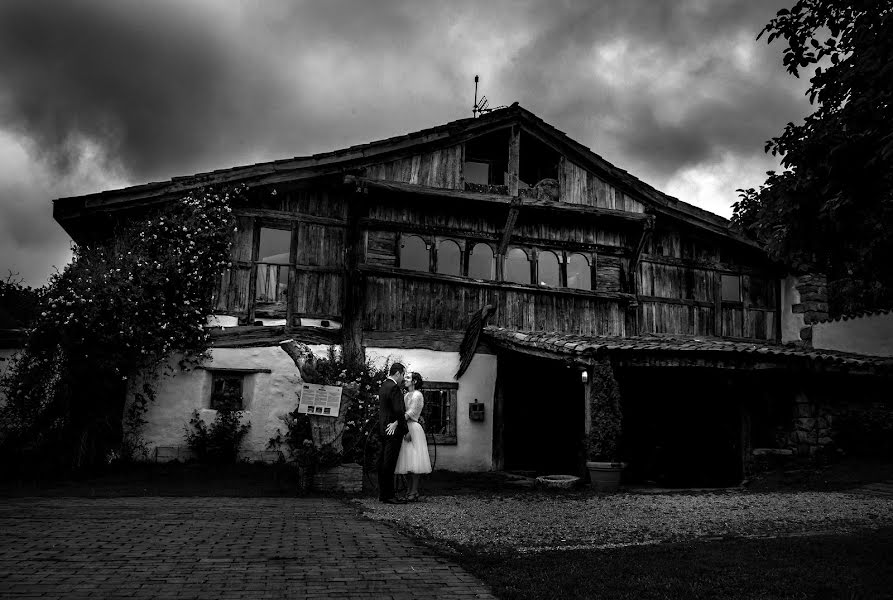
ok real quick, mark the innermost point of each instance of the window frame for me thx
(429, 248)
(469, 250)
(281, 225)
(740, 300)
(531, 264)
(451, 437)
(590, 260)
(221, 375)
(438, 240)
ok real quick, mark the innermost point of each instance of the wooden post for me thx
(514, 159)
(252, 276)
(717, 303)
(779, 287)
(499, 418)
(354, 286)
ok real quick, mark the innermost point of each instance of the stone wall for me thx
(813, 302)
(812, 426)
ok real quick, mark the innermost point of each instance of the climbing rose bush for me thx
(123, 306)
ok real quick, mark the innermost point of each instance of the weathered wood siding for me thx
(232, 296)
(437, 168)
(315, 280)
(679, 282)
(403, 302)
(579, 186)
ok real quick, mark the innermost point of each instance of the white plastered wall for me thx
(270, 395)
(872, 335)
(791, 322)
(474, 448)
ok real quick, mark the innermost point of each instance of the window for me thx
(731, 288)
(439, 413)
(226, 391)
(273, 258)
(477, 172)
(517, 266)
(481, 264)
(579, 275)
(414, 253)
(547, 269)
(449, 258)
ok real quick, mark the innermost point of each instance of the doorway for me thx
(543, 412)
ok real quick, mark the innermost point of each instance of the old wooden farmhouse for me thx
(395, 245)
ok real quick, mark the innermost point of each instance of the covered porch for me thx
(695, 410)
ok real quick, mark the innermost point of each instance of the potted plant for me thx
(606, 424)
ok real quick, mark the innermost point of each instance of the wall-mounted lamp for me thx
(584, 376)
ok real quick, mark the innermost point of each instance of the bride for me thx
(413, 458)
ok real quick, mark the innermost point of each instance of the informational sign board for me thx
(320, 400)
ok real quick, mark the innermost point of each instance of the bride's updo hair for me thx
(417, 381)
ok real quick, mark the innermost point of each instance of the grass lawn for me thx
(831, 566)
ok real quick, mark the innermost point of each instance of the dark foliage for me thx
(832, 208)
(122, 308)
(607, 417)
(219, 442)
(18, 304)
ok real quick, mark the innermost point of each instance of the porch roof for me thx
(684, 351)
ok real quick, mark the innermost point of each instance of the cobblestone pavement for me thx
(217, 548)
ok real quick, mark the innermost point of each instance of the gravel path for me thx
(535, 522)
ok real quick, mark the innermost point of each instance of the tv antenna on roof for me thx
(480, 106)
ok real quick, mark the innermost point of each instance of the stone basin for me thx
(557, 482)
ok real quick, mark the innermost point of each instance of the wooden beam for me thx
(480, 236)
(354, 288)
(254, 336)
(514, 163)
(556, 208)
(289, 216)
(514, 208)
(647, 229)
(501, 285)
(426, 339)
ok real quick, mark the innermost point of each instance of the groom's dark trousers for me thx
(390, 409)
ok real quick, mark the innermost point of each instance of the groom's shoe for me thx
(393, 501)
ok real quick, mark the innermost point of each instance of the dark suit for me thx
(390, 409)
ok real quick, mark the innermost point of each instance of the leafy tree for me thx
(123, 307)
(832, 207)
(18, 303)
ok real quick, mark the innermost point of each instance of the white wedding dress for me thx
(413, 456)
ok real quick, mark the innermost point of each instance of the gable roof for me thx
(328, 163)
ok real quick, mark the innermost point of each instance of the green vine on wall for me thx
(123, 307)
(606, 424)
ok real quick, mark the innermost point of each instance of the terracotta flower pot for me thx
(605, 476)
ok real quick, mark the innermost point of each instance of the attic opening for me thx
(486, 160)
(537, 162)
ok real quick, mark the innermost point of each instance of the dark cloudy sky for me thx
(96, 95)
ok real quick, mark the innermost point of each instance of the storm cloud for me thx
(102, 94)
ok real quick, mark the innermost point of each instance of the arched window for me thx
(449, 258)
(414, 253)
(579, 275)
(547, 269)
(517, 266)
(481, 264)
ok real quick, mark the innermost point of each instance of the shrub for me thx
(218, 443)
(606, 422)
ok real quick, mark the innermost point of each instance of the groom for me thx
(392, 428)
